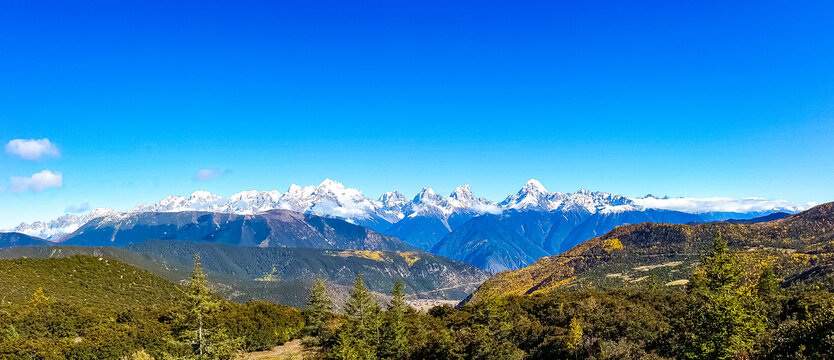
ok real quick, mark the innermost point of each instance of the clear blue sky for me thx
(694, 98)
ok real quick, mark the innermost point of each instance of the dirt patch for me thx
(291, 350)
(652, 267)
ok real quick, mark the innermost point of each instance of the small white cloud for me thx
(486, 208)
(77, 209)
(36, 183)
(717, 204)
(208, 174)
(32, 149)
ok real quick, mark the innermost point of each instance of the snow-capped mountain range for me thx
(333, 199)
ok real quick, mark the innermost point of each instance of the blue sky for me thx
(671, 98)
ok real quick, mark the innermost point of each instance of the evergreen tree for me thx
(10, 334)
(725, 320)
(653, 283)
(768, 284)
(395, 336)
(492, 328)
(360, 336)
(199, 306)
(318, 309)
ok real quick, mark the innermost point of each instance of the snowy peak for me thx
(332, 198)
(532, 196)
(462, 201)
(463, 193)
(65, 224)
(392, 197)
(533, 186)
(332, 186)
(203, 197)
(595, 201)
(199, 200)
(426, 194)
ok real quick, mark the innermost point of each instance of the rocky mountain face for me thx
(531, 223)
(429, 216)
(800, 247)
(274, 228)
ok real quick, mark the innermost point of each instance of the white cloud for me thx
(482, 208)
(208, 174)
(717, 204)
(36, 183)
(32, 149)
(77, 209)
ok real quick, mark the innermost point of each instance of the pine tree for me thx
(493, 328)
(725, 319)
(318, 309)
(719, 270)
(10, 334)
(395, 336)
(360, 336)
(199, 306)
(768, 284)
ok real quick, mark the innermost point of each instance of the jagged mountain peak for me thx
(392, 197)
(532, 196)
(204, 197)
(331, 184)
(463, 192)
(332, 198)
(533, 185)
(426, 194)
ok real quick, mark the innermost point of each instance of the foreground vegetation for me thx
(722, 314)
(93, 308)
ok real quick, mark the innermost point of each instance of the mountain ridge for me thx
(274, 228)
(798, 244)
(332, 199)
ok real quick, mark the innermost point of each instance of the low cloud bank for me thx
(717, 204)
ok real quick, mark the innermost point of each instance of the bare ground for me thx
(291, 350)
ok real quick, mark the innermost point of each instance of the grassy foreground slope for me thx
(83, 280)
(800, 247)
(84, 307)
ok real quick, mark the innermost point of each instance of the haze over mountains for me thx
(525, 226)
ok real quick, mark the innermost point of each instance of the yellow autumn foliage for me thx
(610, 245)
(410, 257)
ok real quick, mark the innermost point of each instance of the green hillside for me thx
(284, 275)
(82, 280)
(83, 307)
(799, 248)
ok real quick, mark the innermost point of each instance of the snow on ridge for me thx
(331, 198)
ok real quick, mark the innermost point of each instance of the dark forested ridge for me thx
(12, 239)
(283, 275)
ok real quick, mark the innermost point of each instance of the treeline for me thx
(198, 325)
(723, 313)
